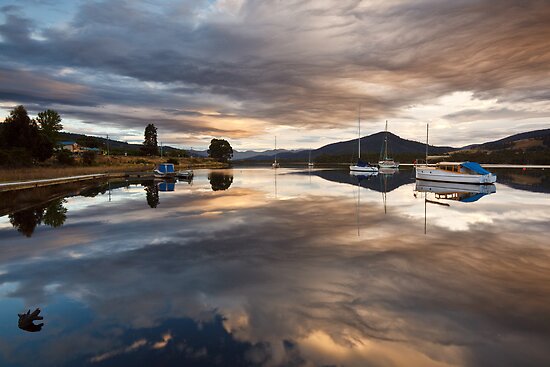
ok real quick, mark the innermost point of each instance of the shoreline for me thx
(106, 166)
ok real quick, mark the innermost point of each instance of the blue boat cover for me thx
(476, 168)
(166, 168)
(471, 199)
(360, 163)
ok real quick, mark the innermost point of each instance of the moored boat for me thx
(361, 166)
(164, 170)
(185, 174)
(385, 161)
(460, 172)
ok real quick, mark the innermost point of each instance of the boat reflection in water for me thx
(466, 193)
(165, 186)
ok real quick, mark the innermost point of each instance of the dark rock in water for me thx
(26, 321)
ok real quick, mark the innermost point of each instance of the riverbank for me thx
(114, 164)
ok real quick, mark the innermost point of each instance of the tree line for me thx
(25, 141)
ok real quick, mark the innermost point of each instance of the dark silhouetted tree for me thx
(150, 144)
(220, 181)
(20, 132)
(220, 149)
(49, 122)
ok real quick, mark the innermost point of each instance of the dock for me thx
(21, 185)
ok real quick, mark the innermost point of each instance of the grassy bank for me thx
(103, 164)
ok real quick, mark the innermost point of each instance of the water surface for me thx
(288, 267)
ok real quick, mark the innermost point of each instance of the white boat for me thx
(185, 174)
(361, 166)
(466, 193)
(385, 161)
(275, 164)
(164, 170)
(310, 163)
(460, 172)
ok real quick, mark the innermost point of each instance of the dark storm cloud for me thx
(299, 63)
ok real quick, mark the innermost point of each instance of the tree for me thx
(220, 149)
(89, 141)
(150, 144)
(19, 131)
(50, 124)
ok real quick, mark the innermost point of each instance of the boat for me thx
(310, 163)
(466, 193)
(275, 164)
(385, 161)
(164, 170)
(185, 174)
(361, 166)
(459, 172)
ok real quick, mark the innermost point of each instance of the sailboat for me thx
(385, 161)
(310, 163)
(275, 164)
(361, 166)
(460, 172)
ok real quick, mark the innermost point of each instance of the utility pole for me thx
(161, 149)
(107, 145)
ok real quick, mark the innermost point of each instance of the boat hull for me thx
(363, 169)
(388, 165)
(434, 174)
(164, 175)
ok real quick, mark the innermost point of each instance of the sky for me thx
(248, 71)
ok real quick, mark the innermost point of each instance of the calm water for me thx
(256, 267)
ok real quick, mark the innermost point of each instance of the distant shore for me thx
(113, 164)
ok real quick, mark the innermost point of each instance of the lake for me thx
(287, 267)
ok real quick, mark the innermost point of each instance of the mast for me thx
(427, 126)
(276, 149)
(386, 143)
(359, 129)
(309, 161)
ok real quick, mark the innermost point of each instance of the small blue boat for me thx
(164, 170)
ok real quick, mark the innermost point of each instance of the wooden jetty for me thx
(21, 185)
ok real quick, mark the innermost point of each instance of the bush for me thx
(65, 157)
(174, 161)
(88, 158)
(15, 158)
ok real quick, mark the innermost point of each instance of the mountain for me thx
(517, 141)
(370, 145)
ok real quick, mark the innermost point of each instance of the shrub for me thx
(65, 157)
(15, 158)
(174, 161)
(88, 157)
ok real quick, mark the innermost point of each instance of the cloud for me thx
(300, 64)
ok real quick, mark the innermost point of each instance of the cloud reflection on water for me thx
(292, 279)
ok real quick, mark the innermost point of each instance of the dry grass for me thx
(103, 165)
